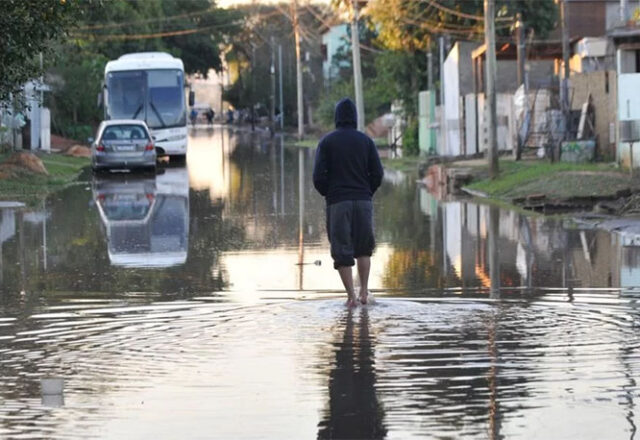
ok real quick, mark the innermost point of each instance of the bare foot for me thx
(351, 302)
(364, 296)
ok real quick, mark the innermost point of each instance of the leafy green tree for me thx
(193, 30)
(412, 24)
(27, 28)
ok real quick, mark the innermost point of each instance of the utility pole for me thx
(564, 91)
(253, 86)
(300, 101)
(624, 11)
(357, 69)
(272, 71)
(280, 81)
(430, 68)
(490, 85)
(520, 49)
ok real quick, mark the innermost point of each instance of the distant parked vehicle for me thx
(150, 86)
(123, 143)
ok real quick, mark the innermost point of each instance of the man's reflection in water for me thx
(354, 411)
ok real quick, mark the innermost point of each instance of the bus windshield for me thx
(155, 96)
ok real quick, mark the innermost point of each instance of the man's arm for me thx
(321, 170)
(375, 168)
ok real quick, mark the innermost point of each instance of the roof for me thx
(144, 60)
(123, 122)
(625, 34)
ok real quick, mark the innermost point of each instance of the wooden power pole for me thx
(490, 85)
(272, 72)
(357, 69)
(300, 102)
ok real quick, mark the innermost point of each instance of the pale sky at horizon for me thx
(228, 3)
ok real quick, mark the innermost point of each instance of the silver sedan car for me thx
(123, 143)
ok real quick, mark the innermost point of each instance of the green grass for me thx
(557, 180)
(31, 188)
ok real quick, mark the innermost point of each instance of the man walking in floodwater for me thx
(347, 172)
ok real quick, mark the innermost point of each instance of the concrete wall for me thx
(628, 103)
(458, 74)
(540, 73)
(602, 86)
(452, 142)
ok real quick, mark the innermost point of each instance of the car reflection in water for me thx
(146, 218)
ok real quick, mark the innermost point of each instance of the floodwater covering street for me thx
(202, 303)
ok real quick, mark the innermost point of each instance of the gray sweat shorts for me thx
(350, 231)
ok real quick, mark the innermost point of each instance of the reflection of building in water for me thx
(533, 251)
(146, 219)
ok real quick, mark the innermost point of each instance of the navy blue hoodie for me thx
(347, 165)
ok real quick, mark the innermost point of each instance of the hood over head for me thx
(346, 116)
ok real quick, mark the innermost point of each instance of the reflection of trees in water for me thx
(264, 195)
(354, 411)
(407, 268)
(78, 260)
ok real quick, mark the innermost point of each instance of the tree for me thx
(27, 28)
(249, 57)
(411, 24)
(193, 30)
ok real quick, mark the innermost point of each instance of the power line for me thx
(143, 21)
(121, 37)
(461, 14)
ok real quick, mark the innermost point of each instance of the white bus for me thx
(150, 86)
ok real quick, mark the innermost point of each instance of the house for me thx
(627, 44)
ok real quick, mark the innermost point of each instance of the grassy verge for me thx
(31, 188)
(555, 181)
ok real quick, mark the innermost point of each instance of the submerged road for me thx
(201, 303)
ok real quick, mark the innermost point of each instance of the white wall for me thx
(452, 112)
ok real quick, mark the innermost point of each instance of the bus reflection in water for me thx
(145, 218)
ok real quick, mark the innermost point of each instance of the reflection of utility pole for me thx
(490, 85)
(492, 379)
(44, 235)
(300, 217)
(357, 69)
(282, 175)
(22, 255)
(274, 181)
(300, 101)
(494, 253)
(280, 81)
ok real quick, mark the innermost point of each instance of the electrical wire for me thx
(144, 21)
(462, 14)
(122, 37)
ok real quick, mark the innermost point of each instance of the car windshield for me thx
(156, 96)
(125, 132)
